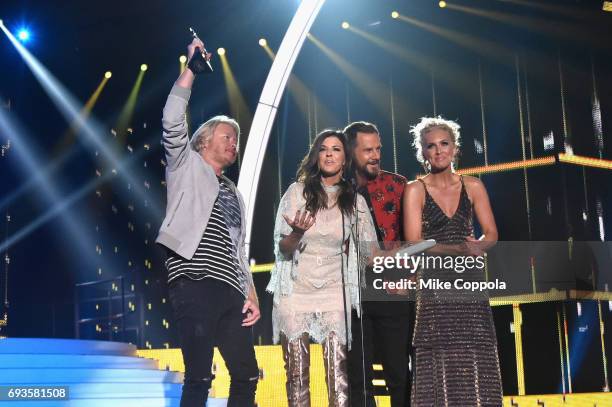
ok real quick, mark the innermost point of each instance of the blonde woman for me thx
(456, 361)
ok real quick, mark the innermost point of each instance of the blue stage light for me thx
(23, 35)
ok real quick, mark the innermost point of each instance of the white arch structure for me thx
(268, 105)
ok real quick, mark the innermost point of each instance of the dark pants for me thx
(392, 336)
(208, 312)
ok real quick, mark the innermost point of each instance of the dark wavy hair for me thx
(351, 131)
(310, 175)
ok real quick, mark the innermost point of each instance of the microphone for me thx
(198, 63)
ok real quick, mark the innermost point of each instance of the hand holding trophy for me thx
(199, 58)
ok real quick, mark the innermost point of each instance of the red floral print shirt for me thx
(386, 192)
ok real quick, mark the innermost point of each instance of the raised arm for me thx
(175, 137)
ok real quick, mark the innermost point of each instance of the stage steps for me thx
(98, 373)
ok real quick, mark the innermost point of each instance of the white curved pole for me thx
(268, 105)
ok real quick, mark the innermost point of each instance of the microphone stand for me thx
(354, 185)
(346, 330)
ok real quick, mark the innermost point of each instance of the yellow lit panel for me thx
(509, 166)
(271, 387)
(552, 295)
(539, 162)
(518, 345)
(260, 268)
(586, 161)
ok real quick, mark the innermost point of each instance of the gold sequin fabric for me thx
(456, 360)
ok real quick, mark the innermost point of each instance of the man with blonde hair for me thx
(210, 284)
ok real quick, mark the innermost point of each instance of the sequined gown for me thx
(456, 360)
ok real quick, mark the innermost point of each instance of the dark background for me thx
(546, 72)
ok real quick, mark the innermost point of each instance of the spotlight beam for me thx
(84, 114)
(40, 174)
(62, 205)
(36, 177)
(417, 59)
(31, 162)
(567, 11)
(182, 63)
(478, 45)
(484, 48)
(300, 94)
(65, 156)
(269, 51)
(127, 112)
(67, 105)
(556, 29)
(60, 157)
(238, 106)
(373, 89)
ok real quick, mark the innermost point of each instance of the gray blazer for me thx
(192, 187)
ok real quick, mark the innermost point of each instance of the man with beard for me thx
(388, 325)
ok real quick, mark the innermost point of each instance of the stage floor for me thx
(271, 388)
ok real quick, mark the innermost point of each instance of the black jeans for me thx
(208, 312)
(392, 335)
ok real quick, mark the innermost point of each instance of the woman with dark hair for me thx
(315, 276)
(456, 361)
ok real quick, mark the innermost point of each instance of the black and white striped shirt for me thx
(216, 256)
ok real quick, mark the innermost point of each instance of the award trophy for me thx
(198, 62)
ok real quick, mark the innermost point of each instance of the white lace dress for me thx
(307, 287)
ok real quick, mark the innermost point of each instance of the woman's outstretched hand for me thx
(301, 222)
